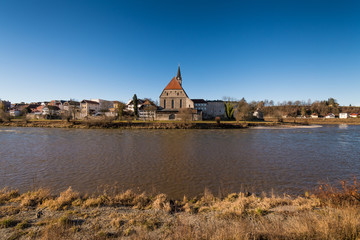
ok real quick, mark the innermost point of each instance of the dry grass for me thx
(328, 213)
(64, 201)
(34, 198)
(338, 196)
(7, 194)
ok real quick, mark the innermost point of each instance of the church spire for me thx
(178, 77)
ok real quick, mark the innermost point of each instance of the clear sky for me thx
(276, 50)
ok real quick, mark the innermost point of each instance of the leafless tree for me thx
(185, 114)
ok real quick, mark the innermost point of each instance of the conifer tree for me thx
(135, 102)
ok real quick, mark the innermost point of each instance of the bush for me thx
(217, 119)
(4, 116)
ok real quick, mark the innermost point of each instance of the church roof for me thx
(173, 85)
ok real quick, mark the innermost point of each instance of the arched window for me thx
(172, 103)
(180, 103)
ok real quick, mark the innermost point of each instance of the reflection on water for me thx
(179, 162)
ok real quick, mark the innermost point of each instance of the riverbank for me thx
(325, 214)
(319, 121)
(107, 124)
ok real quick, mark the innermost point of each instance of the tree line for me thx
(243, 110)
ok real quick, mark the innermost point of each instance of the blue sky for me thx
(276, 50)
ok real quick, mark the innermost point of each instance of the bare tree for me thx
(244, 110)
(120, 110)
(185, 114)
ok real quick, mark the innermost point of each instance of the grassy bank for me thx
(327, 213)
(135, 124)
(319, 121)
(108, 124)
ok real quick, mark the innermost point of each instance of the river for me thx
(179, 162)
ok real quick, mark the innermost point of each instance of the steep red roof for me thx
(173, 85)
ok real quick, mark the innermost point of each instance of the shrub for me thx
(217, 119)
(345, 194)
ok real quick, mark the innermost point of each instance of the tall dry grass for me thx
(327, 213)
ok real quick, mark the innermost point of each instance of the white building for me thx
(88, 108)
(104, 105)
(343, 115)
(130, 105)
(330, 115)
(314, 115)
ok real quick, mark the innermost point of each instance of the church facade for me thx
(175, 103)
(174, 97)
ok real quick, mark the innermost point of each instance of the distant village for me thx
(174, 104)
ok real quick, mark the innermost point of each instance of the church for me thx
(174, 101)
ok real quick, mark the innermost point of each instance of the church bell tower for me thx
(178, 77)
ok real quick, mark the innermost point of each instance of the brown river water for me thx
(179, 162)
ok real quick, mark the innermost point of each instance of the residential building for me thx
(57, 103)
(14, 112)
(200, 104)
(330, 115)
(104, 105)
(50, 111)
(258, 114)
(88, 108)
(314, 115)
(130, 105)
(147, 111)
(344, 115)
(214, 108)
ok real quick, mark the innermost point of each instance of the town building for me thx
(88, 108)
(130, 105)
(14, 112)
(214, 108)
(343, 115)
(330, 115)
(147, 111)
(258, 114)
(200, 104)
(57, 103)
(314, 115)
(104, 105)
(174, 97)
(175, 103)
